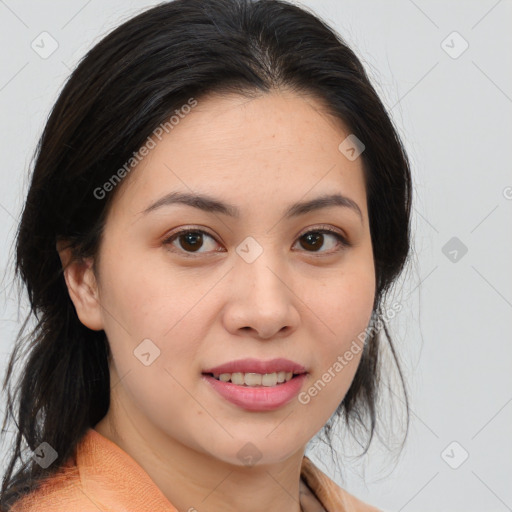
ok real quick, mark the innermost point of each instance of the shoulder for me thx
(63, 490)
(332, 496)
(60, 492)
(101, 476)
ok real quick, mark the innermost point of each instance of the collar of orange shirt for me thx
(105, 478)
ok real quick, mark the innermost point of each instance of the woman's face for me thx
(255, 279)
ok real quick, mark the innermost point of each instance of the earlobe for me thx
(82, 288)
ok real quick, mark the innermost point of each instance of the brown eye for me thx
(190, 241)
(313, 241)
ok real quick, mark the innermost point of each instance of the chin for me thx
(259, 449)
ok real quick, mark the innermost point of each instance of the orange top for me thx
(103, 477)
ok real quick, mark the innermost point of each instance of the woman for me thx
(218, 207)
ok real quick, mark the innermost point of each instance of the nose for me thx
(261, 302)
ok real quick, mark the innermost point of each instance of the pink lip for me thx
(258, 366)
(261, 398)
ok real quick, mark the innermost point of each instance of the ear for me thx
(82, 287)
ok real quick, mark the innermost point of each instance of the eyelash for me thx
(320, 230)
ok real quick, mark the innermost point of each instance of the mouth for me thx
(255, 380)
(256, 385)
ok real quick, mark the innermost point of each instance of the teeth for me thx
(269, 379)
(255, 379)
(237, 378)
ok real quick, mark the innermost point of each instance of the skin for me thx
(212, 307)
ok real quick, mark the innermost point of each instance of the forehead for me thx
(276, 147)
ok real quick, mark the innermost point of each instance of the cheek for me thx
(344, 306)
(135, 294)
(344, 302)
(350, 319)
(143, 314)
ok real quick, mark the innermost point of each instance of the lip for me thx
(258, 398)
(258, 366)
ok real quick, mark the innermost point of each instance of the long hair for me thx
(125, 87)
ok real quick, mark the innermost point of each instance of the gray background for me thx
(454, 112)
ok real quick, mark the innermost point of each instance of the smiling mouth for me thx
(254, 379)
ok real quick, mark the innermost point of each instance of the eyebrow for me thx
(212, 205)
